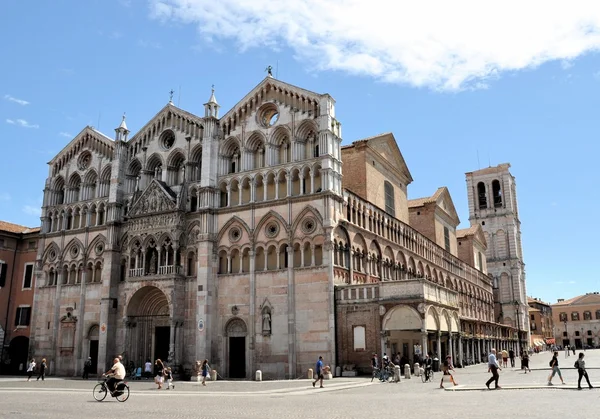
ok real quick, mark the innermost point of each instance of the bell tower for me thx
(492, 194)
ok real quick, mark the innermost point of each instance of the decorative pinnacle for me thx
(171, 96)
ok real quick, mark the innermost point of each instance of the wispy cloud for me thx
(437, 44)
(16, 100)
(566, 64)
(22, 123)
(65, 134)
(5, 196)
(149, 44)
(31, 210)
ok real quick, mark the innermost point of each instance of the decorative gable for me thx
(87, 139)
(386, 145)
(157, 197)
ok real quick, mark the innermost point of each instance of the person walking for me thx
(555, 369)
(86, 368)
(493, 367)
(148, 369)
(566, 351)
(159, 372)
(446, 368)
(573, 350)
(169, 378)
(580, 365)
(43, 367)
(319, 371)
(30, 369)
(205, 371)
(511, 355)
(505, 358)
(525, 362)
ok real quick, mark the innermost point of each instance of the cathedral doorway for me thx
(236, 339)
(93, 337)
(147, 327)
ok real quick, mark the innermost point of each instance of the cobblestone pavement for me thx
(523, 396)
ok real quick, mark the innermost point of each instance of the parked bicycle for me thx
(121, 392)
(383, 374)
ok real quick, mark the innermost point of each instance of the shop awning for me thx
(550, 341)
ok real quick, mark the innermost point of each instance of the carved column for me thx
(276, 183)
(439, 345)
(229, 195)
(460, 350)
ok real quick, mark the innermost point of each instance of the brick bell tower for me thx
(492, 194)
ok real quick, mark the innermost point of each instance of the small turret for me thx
(211, 108)
(121, 132)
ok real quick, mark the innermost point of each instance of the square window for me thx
(23, 316)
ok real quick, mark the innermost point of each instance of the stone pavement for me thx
(341, 398)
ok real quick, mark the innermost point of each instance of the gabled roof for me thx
(475, 231)
(169, 107)
(586, 299)
(89, 138)
(16, 228)
(442, 195)
(270, 81)
(386, 146)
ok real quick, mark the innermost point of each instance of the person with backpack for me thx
(86, 368)
(555, 369)
(580, 365)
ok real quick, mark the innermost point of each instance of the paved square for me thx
(522, 396)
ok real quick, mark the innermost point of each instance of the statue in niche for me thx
(152, 268)
(266, 322)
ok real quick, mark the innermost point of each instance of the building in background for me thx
(541, 324)
(492, 194)
(577, 321)
(18, 249)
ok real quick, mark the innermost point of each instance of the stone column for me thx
(460, 350)
(451, 346)
(56, 320)
(291, 314)
(439, 345)
(252, 316)
(78, 355)
(424, 348)
(173, 325)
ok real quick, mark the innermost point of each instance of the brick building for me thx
(541, 323)
(577, 321)
(18, 249)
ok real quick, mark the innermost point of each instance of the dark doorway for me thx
(237, 357)
(18, 351)
(162, 335)
(94, 355)
(578, 343)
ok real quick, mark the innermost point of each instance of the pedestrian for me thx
(505, 358)
(159, 372)
(511, 355)
(493, 367)
(555, 369)
(446, 368)
(205, 371)
(148, 369)
(169, 378)
(525, 362)
(566, 351)
(86, 368)
(319, 371)
(580, 365)
(43, 367)
(573, 349)
(30, 369)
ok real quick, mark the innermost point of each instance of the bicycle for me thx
(121, 392)
(426, 377)
(383, 375)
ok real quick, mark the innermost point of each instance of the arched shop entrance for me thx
(402, 327)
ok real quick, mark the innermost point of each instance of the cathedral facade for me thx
(232, 238)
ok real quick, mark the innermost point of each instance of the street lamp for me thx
(516, 304)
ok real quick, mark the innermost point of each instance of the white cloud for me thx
(5, 196)
(65, 134)
(446, 45)
(566, 64)
(31, 210)
(15, 100)
(22, 123)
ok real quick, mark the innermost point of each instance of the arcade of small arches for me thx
(155, 256)
(173, 170)
(89, 142)
(76, 217)
(74, 273)
(258, 151)
(270, 257)
(271, 185)
(78, 189)
(368, 263)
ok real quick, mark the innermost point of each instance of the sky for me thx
(462, 85)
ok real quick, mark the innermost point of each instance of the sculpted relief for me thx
(153, 199)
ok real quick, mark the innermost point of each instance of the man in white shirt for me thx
(117, 373)
(493, 367)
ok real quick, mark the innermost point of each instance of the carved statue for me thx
(266, 323)
(269, 71)
(152, 269)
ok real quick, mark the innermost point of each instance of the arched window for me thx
(389, 198)
(481, 195)
(497, 193)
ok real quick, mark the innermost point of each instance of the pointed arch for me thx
(266, 218)
(106, 172)
(255, 141)
(176, 157)
(305, 129)
(154, 161)
(134, 167)
(309, 209)
(74, 243)
(99, 239)
(51, 246)
(230, 146)
(280, 135)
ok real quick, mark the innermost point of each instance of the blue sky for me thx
(477, 87)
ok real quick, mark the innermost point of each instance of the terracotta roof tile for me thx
(464, 232)
(16, 228)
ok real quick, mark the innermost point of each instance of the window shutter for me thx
(17, 316)
(27, 315)
(3, 269)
